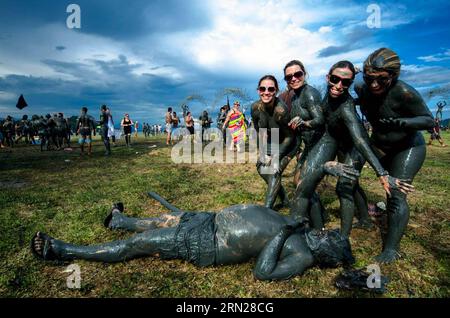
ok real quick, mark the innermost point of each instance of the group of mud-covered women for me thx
(329, 127)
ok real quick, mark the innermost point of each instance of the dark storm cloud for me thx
(353, 40)
(333, 50)
(113, 18)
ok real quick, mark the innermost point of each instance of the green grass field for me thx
(68, 196)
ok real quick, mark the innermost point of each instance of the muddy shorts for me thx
(195, 239)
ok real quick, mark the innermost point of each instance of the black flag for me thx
(21, 103)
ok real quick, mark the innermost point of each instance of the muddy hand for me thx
(295, 122)
(393, 122)
(341, 170)
(389, 183)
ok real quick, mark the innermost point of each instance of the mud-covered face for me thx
(267, 91)
(294, 76)
(339, 81)
(378, 82)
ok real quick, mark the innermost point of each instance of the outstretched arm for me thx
(338, 169)
(414, 111)
(315, 111)
(361, 141)
(282, 117)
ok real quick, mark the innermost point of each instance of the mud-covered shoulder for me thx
(403, 92)
(312, 94)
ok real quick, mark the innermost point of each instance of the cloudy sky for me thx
(142, 56)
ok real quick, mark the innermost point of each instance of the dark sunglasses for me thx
(270, 89)
(289, 77)
(382, 80)
(346, 82)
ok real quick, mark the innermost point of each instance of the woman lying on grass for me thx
(233, 235)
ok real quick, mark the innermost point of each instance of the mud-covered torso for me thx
(338, 115)
(401, 101)
(244, 230)
(306, 104)
(275, 118)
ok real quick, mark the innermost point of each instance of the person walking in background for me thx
(169, 124)
(85, 128)
(236, 124)
(189, 122)
(205, 121)
(136, 128)
(104, 119)
(436, 133)
(126, 124)
(111, 129)
(175, 122)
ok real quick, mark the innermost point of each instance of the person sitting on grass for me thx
(233, 235)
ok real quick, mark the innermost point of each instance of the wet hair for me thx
(292, 63)
(104, 107)
(329, 247)
(84, 109)
(383, 59)
(169, 109)
(269, 77)
(343, 64)
(175, 114)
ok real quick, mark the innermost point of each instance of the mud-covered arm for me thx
(416, 116)
(255, 117)
(313, 104)
(282, 117)
(360, 138)
(269, 265)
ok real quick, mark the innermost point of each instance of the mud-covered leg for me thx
(274, 189)
(362, 210)
(117, 220)
(311, 174)
(317, 212)
(345, 190)
(148, 243)
(403, 165)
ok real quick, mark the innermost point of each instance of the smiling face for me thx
(339, 81)
(377, 81)
(294, 76)
(267, 91)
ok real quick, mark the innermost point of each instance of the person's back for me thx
(236, 245)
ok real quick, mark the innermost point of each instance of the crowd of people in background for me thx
(55, 132)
